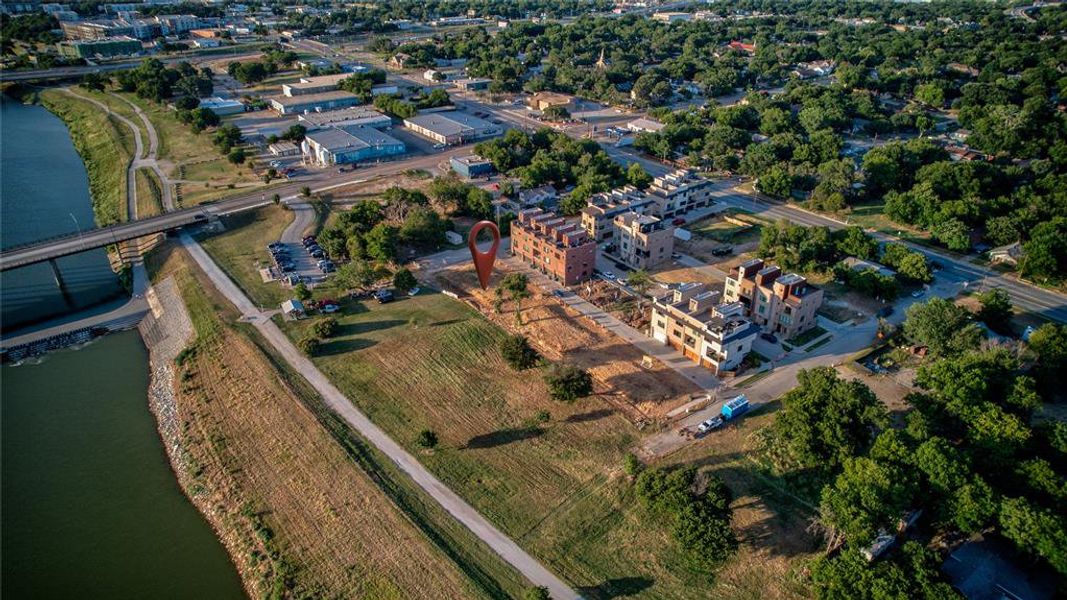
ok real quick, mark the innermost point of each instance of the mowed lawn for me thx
(242, 249)
(431, 362)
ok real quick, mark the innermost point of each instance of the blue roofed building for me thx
(347, 145)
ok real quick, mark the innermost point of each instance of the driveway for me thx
(303, 221)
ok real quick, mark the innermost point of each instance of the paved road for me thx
(303, 219)
(78, 71)
(321, 181)
(449, 500)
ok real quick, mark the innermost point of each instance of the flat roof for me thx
(326, 79)
(449, 123)
(472, 159)
(345, 114)
(312, 98)
(352, 137)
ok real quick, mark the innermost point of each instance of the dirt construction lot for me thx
(560, 333)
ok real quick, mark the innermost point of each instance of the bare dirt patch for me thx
(560, 333)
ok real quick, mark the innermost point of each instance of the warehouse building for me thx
(357, 115)
(292, 105)
(223, 107)
(473, 85)
(314, 85)
(346, 145)
(471, 166)
(451, 127)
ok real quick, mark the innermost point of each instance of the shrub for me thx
(517, 352)
(426, 439)
(404, 281)
(325, 328)
(309, 345)
(632, 465)
(567, 383)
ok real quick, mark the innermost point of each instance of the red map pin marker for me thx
(483, 261)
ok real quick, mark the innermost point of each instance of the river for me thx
(90, 505)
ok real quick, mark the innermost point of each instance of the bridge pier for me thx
(62, 285)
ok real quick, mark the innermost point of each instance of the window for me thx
(762, 309)
(690, 340)
(660, 324)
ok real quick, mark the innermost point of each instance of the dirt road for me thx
(449, 500)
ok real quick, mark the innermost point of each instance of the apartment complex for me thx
(715, 336)
(561, 250)
(642, 241)
(679, 192)
(780, 303)
(598, 217)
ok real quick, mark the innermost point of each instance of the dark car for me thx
(722, 251)
(678, 221)
(769, 337)
(885, 311)
(383, 296)
(286, 267)
(308, 241)
(318, 254)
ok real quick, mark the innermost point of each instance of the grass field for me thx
(304, 506)
(242, 250)
(106, 147)
(149, 194)
(720, 230)
(430, 362)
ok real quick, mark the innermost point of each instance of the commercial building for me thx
(291, 105)
(223, 107)
(473, 85)
(346, 145)
(672, 17)
(284, 149)
(679, 192)
(98, 29)
(543, 100)
(598, 217)
(561, 250)
(314, 85)
(715, 336)
(783, 304)
(471, 166)
(643, 125)
(357, 115)
(642, 241)
(451, 127)
(119, 46)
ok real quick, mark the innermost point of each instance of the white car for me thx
(330, 308)
(917, 294)
(710, 424)
(609, 275)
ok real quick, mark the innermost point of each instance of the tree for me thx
(637, 176)
(824, 421)
(305, 192)
(777, 182)
(556, 113)
(943, 327)
(639, 280)
(302, 292)
(356, 274)
(1045, 253)
(567, 382)
(1049, 343)
(954, 234)
(426, 439)
(404, 281)
(515, 284)
(516, 351)
(325, 328)
(930, 94)
(236, 156)
(867, 497)
(912, 573)
(1035, 530)
(996, 309)
(853, 241)
(309, 345)
(381, 242)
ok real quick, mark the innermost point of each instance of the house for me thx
(1007, 255)
(545, 194)
(434, 75)
(690, 319)
(352, 144)
(544, 100)
(980, 570)
(546, 242)
(643, 124)
(784, 304)
(858, 264)
(742, 47)
(471, 166)
(400, 60)
(451, 127)
(291, 105)
(642, 241)
(293, 309)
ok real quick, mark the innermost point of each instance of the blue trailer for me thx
(735, 407)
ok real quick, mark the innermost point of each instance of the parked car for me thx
(314, 248)
(318, 254)
(287, 267)
(329, 308)
(769, 337)
(609, 275)
(274, 245)
(710, 425)
(917, 294)
(308, 241)
(722, 251)
(383, 296)
(678, 221)
(676, 255)
(294, 279)
(327, 267)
